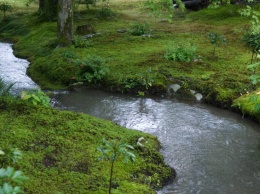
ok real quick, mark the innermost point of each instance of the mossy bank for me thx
(60, 152)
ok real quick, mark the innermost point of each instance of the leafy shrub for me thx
(9, 155)
(105, 12)
(253, 42)
(254, 99)
(4, 7)
(146, 79)
(140, 81)
(92, 69)
(163, 8)
(68, 55)
(129, 83)
(255, 77)
(176, 52)
(111, 151)
(216, 40)
(9, 177)
(36, 98)
(5, 89)
(79, 42)
(138, 29)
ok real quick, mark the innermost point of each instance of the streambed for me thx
(212, 150)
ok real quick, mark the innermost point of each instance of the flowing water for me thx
(13, 70)
(212, 150)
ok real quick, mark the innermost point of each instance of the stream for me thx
(13, 70)
(212, 150)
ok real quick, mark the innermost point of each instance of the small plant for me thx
(129, 83)
(216, 40)
(141, 94)
(9, 177)
(9, 156)
(92, 70)
(111, 151)
(255, 77)
(146, 79)
(138, 29)
(139, 81)
(5, 89)
(184, 53)
(68, 55)
(105, 12)
(253, 42)
(217, 3)
(79, 42)
(4, 7)
(163, 8)
(254, 15)
(254, 98)
(36, 98)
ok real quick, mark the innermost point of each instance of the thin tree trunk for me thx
(65, 22)
(111, 176)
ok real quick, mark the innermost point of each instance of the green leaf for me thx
(25, 95)
(7, 188)
(36, 98)
(1, 153)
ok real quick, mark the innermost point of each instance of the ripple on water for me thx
(212, 150)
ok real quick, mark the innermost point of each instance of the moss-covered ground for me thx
(221, 79)
(60, 152)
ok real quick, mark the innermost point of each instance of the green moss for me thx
(246, 104)
(60, 151)
(226, 12)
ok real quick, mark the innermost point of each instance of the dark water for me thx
(212, 150)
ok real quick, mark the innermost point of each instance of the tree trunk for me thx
(65, 22)
(111, 176)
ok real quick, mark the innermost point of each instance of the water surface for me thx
(13, 70)
(212, 150)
